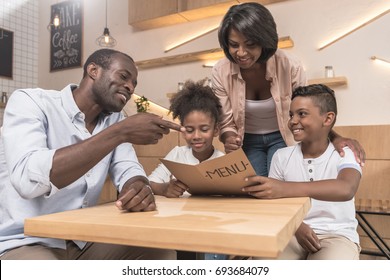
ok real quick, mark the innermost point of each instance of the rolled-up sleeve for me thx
(124, 165)
(28, 157)
(221, 83)
(298, 75)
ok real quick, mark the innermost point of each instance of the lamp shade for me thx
(106, 40)
(55, 22)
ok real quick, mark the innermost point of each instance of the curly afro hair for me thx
(195, 96)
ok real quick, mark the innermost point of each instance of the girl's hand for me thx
(175, 188)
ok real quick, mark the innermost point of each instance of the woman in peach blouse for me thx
(254, 84)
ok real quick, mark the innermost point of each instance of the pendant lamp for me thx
(55, 22)
(106, 40)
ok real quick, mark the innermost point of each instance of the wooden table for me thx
(228, 225)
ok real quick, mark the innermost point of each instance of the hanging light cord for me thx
(106, 40)
(106, 13)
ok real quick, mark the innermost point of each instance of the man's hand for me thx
(307, 238)
(136, 196)
(146, 128)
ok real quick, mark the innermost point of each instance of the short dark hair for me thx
(103, 58)
(323, 97)
(255, 22)
(195, 97)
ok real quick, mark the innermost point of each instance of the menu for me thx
(220, 176)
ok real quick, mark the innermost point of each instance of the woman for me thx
(254, 84)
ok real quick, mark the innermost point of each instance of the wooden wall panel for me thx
(374, 139)
(149, 163)
(375, 183)
(166, 144)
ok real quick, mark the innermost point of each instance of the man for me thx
(57, 149)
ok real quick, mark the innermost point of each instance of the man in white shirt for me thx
(57, 148)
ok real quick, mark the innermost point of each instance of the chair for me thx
(366, 207)
(372, 204)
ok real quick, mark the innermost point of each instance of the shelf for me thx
(212, 54)
(331, 82)
(144, 15)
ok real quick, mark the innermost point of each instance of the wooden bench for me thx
(372, 199)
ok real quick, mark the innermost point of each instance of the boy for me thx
(315, 169)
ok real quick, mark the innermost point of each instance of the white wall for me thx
(21, 17)
(365, 100)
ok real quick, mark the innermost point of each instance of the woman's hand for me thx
(232, 142)
(340, 142)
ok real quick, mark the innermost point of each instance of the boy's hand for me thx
(264, 187)
(308, 239)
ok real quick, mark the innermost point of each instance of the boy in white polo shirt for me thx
(315, 169)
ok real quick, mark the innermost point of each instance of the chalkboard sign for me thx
(66, 39)
(6, 52)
